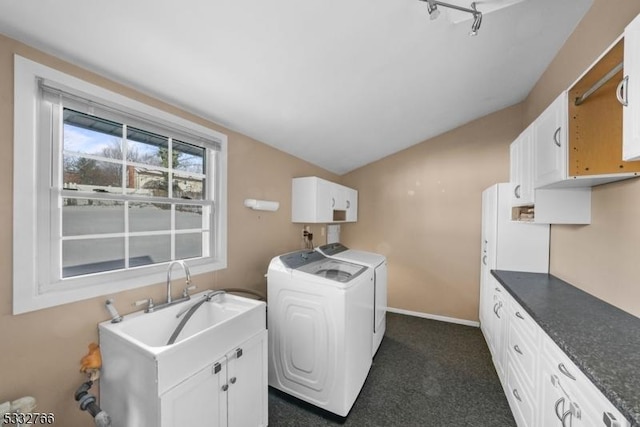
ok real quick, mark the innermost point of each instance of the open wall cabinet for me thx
(589, 135)
(595, 122)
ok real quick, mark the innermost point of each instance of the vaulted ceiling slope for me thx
(337, 83)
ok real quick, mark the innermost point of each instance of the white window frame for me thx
(33, 290)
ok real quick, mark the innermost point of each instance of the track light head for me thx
(432, 8)
(477, 20)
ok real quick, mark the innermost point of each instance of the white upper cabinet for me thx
(316, 200)
(550, 144)
(628, 92)
(521, 176)
(538, 160)
(579, 139)
(351, 204)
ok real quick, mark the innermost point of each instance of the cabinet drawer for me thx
(522, 355)
(563, 367)
(522, 405)
(522, 321)
(595, 405)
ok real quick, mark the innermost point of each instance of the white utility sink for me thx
(151, 331)
(135, 350)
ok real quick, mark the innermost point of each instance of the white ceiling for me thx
(339, 83)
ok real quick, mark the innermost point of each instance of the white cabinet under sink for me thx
(214, 375)
(225, 393)
(316, 200)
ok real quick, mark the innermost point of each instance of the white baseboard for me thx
(434, 317)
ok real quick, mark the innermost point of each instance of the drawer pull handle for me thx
(556, 137)
(519, 316)
(564, 370)
(484, 260)
(559, 411)
(517, 349)
(497, 308)
(622, 92)
(517, 395)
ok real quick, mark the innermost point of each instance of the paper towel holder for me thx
(262, 205)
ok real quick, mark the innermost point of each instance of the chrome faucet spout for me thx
(187, 274)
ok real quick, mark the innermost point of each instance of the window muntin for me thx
(94, 160)
(42, 232)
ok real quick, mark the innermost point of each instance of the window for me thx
(107, 191)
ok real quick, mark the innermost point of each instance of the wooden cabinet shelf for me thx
(595, 126)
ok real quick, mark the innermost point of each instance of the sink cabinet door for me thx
(200, 400)
(248, 383)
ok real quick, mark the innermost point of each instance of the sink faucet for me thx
(186, 273)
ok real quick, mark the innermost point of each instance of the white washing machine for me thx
(319, 319)
(377, 263)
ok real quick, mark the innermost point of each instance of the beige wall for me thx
(421, 208)
(40, 352)
(602, 258)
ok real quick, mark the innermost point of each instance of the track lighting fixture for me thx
(477, 20)
(432, 8)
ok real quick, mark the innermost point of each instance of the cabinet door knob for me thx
(609, 420)
(232, 380)
(517, 349)
(225, 387)
(484, 260)
(622, 92)
(516, 191)
(348, 204)
(519, 316)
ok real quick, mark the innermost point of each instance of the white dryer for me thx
(319, 314)
(378, 263)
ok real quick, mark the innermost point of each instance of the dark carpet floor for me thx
(426, 373)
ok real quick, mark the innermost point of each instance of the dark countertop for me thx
(602, 340)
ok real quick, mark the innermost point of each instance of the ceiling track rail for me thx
(597, 85)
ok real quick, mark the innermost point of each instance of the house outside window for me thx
(107, 191)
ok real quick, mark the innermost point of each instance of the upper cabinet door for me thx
(550, 144)
(629, 92)
(521, 176)
(352, 205)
